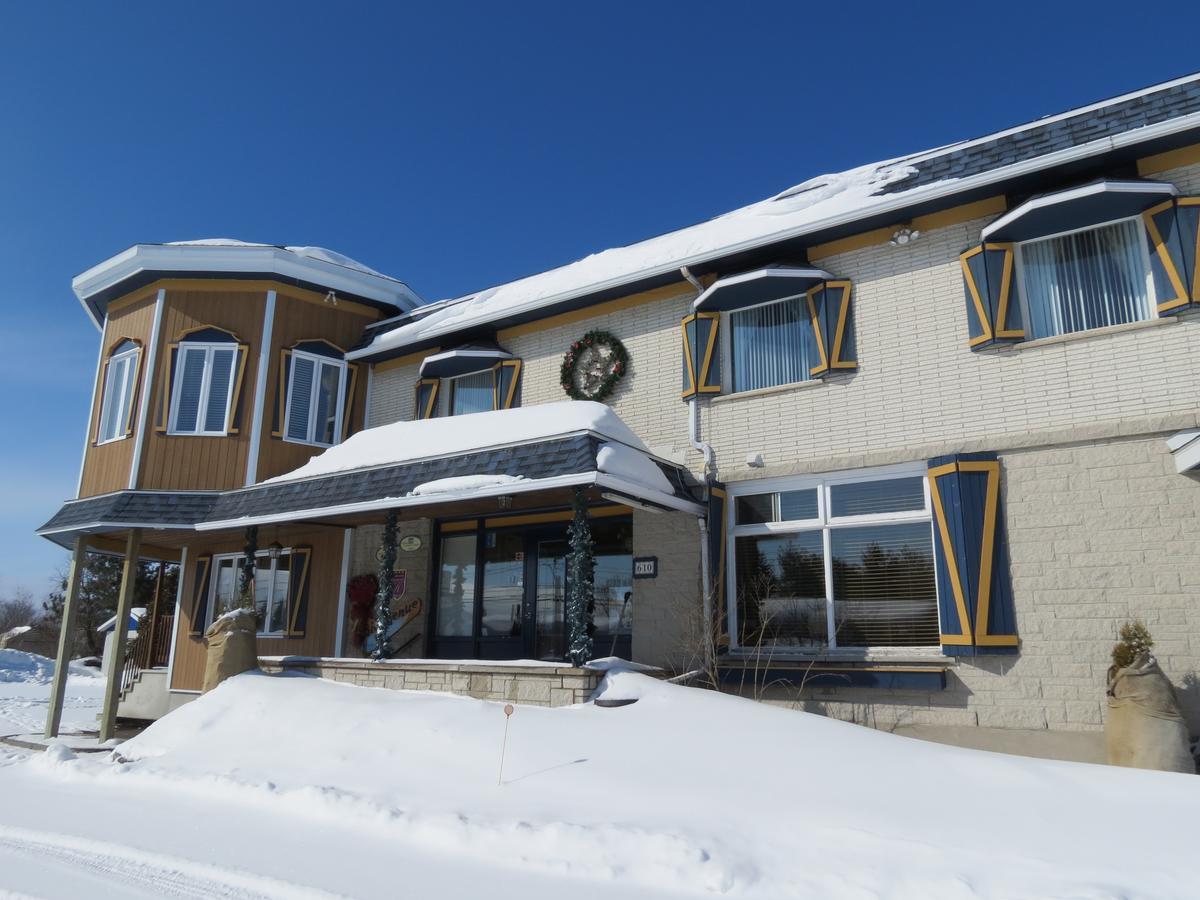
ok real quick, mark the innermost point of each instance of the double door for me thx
(501, 592)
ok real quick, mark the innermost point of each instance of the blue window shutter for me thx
(990, 285)
(300, 397)
(298, 584)
(427, 391)
(348, 400)
(200, 580)
(975, 597)
(717, 507)
(687, 331)
(508, 384)
(832, 318)
(1171, 228)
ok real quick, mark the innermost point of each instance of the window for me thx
(1086, 279)
(821, 563)
(316, 388)
(271, 584)
(205, 378)
(472, 393)
(770, 344)
(120, 377)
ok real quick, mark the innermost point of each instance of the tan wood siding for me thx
(325, 574)
(189, 462)
(106, 467)
(299, 319)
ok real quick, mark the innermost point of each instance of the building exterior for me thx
(904, 445)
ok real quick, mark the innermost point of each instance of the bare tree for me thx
(17, 609)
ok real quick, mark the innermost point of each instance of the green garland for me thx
(620, 358)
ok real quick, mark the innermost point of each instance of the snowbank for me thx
(17, 666)
(25, 690)
(403, 442)
(684, 791)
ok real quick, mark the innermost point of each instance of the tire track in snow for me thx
(159, 874)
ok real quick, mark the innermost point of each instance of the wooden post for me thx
(66, 637)
(112, 689)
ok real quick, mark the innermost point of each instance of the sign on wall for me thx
(645, 567)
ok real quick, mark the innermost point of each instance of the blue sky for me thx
(457, 146)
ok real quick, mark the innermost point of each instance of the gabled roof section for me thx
(819, 209)
(314, 268)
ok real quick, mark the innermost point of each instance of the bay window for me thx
(770, 344)
(316, 390)
(120, 377)
(829, 562)
(1090, 278)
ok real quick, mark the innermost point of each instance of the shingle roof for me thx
(1069, 130)
(183, 509)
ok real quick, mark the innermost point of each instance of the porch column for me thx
(581, 584)
(66, 637)
(383, 600)
(112, 689)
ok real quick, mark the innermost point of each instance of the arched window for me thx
(120, 384)
(205, 380)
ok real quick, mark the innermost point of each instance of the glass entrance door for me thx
(502, 592)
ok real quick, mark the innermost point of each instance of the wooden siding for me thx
(189, 462)
(325, 573)
(106, 467)
(298, 318)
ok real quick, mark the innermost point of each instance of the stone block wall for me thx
(666, 609)
(528, 685)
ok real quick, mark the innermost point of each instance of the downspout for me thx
(710, 466)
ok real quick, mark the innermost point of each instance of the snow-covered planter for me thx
(232, 647)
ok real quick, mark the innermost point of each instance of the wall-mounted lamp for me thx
(273, 550)
(905, 234)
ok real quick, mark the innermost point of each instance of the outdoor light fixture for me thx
(505, 501)
(273, 550)
(905, 234)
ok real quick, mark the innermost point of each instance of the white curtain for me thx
(770, 344)
(1088, 279)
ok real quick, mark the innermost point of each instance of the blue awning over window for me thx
(1080, 207)
(462, 360)
(759, 286)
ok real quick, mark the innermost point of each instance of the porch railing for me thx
(150, 648)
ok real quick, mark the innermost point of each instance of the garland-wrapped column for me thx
(581, 584)
(246, 581)
(383, 600)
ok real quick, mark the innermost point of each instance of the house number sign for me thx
(645, 567)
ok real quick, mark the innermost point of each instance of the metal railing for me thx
(150, 648)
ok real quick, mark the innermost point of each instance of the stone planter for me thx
(232, 647)
(1144, 728)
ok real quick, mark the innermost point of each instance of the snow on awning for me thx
(1091, 204)
(467, 458)
(462, 361)
(1185, 449)
(760, 286)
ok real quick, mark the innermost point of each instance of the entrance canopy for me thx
(506, 459)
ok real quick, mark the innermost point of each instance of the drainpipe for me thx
(710, 467)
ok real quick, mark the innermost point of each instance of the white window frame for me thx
(826, 524)
(205, 386)
(1019, 262)
(314, 397)
(726, 341)
(448, 386)
(121, 413)
(237, 575)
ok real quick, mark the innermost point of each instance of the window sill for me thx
(208, 434)
(767, 391)
(1094, 333)
(318, 446)
(115, 440)
(900, 656)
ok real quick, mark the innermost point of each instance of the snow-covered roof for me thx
(314, 266)
(135, 615)
(403, 442)
(820, 204)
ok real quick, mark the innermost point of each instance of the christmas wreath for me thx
(593, 365)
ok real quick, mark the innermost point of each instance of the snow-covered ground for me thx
(289, 786)
(25, 691)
